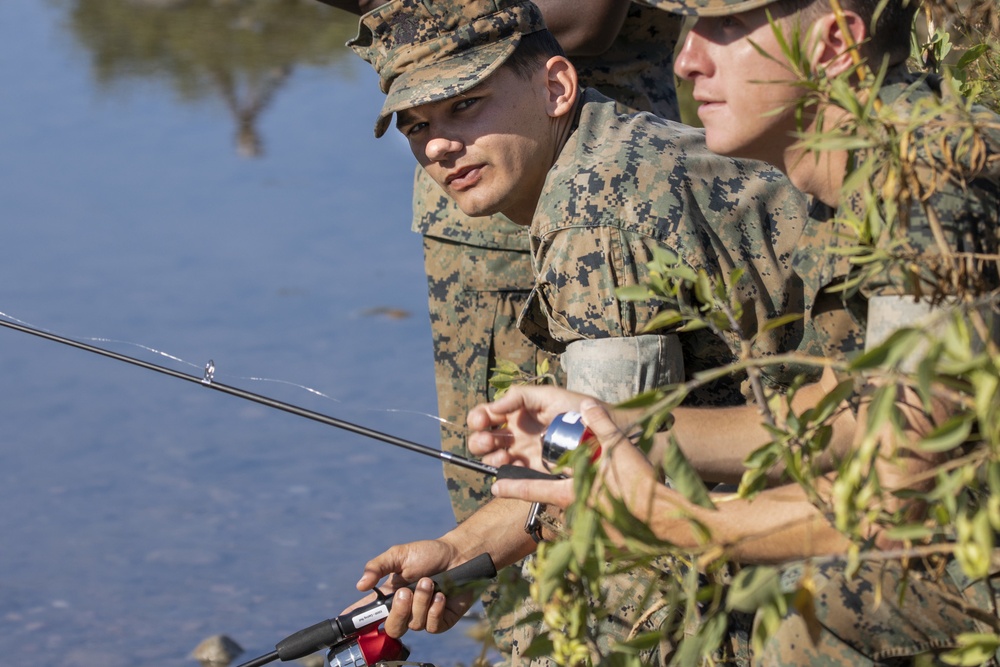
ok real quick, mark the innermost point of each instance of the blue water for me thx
(141, 513)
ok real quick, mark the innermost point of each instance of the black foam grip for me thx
(480, 567)
(521, 472)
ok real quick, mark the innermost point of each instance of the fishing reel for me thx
(565, 434)
(369, 649)
(356, 639)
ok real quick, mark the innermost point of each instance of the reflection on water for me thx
(142, 514)
(241, 52)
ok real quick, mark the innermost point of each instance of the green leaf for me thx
(914, 532)
(506, 367)
(971, 55)
(753, 588)
(779, 322)
(693, 325)
(831, 401)
(972, 649)
(948, 435)
(684, 477)
(663, 320)
(899, 344)
(582, 538)
(881, 408)
(664, 256)
(692, 649)
(634, 293)
(555, 563)
(540, 647)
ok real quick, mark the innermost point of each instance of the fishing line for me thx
(197, 367)
(207, 379)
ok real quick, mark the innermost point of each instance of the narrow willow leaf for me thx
(881, 408)
(633, 293)
(914, 532)
(506, 367)
(900, 343)
(832, 400)
(972, 649)
(664, 256)
(753, 588)
(703, 287)
(643, 400)
(948, 435)
(555, 564)
(693, 648)
(693, 325)
(779, 322)
(663, 320)
(582, 537)
(684, 477)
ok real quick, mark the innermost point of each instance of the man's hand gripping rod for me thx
(346, 633)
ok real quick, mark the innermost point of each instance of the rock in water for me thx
(216, 651)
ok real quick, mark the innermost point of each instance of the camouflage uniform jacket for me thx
(627, 183)
(479, 269)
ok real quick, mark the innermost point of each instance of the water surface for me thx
(201, 178)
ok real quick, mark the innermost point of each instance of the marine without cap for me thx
(430, 50)
(709, 7)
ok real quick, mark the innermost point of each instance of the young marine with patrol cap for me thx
(750, 108)
(479, 269)
(494, 114)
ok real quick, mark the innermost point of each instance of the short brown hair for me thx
(889, 23)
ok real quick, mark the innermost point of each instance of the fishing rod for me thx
(207, 380)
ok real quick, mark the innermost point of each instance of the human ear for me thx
(835, 44)
(561, 86)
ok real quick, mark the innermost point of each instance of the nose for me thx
(439, 149)
(692, 59)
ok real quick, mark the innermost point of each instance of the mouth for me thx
(464, 178)
(707, 103)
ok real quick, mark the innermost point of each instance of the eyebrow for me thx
(403, 118)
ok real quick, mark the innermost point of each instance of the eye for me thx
(465, 103)
(409, 128)
(412, 129)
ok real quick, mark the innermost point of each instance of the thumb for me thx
(599, 422)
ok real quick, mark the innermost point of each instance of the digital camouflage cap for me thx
(709, 7)
(430, 50)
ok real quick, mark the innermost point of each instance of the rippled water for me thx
(172, 182)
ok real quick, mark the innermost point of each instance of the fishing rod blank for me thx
(208, 381)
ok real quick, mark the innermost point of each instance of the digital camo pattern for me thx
(477, 286)
(429, 50)
(616, 369)
(864, 620)
(473, 315)
(638, 69)
(625, 184)
(708, 7)
(479, 269)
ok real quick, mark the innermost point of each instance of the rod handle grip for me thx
(522, 472)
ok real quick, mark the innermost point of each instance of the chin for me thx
(720, 145)
(476, 209)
